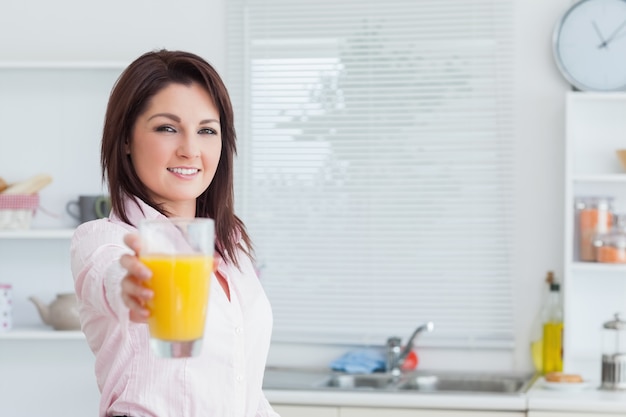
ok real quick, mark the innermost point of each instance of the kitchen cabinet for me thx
(305, 411)
(327, 411)
(595, 127)
(405, 412)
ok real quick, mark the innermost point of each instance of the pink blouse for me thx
(225, 380)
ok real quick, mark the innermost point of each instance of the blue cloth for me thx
(362, 361)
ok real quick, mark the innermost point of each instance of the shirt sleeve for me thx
(265, 409)
(95, 251)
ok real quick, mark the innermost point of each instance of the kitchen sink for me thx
(360, 381)
(415, 382)
(477, 383)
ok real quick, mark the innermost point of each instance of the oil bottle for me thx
(552, 315)
(536, 337)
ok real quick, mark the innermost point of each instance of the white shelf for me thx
(604, 178)
(63, 65)
(41, 333)
(37, 234)
(598, 267)
(582, 96)
(592, 291)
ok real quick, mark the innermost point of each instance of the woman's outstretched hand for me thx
(134, 294)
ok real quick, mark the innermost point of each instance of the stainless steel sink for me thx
(360, 381)
(471, 383)
(415, 382)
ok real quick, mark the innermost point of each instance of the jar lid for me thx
(594, 202)
(616, 324)
(615, 239)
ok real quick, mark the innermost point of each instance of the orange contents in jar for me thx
(593, 219)
(611, 254)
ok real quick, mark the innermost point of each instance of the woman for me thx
(167, 151)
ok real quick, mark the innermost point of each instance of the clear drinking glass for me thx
(179, 252)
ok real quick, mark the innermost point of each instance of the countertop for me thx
(538, 397)
(589, 398)
(300, 392)
(398, 400)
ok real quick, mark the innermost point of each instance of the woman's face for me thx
(176, 145)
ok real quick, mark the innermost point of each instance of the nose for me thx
(188, 146)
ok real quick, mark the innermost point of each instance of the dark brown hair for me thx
(131, 95)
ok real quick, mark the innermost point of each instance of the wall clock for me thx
(589, 45)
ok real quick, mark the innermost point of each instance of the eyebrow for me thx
(177, 119)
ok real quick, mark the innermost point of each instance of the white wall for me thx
(113, 30)
(540, 163)
(120, 30)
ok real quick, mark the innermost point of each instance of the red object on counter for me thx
(411, 361)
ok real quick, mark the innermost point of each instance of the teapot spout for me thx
(42, 308)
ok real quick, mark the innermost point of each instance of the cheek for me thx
(213, 155)
(145, 159)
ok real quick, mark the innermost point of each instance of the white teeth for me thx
(183, 171)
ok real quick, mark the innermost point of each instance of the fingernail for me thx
(147, 293)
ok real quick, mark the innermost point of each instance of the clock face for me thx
(590, 45)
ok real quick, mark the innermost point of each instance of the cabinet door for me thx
(305, 411)
(405, 412)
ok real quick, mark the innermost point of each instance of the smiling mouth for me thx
(184, 171)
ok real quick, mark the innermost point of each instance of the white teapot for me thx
(61, 314)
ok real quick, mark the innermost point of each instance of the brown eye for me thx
(207, 131)
(165, 129)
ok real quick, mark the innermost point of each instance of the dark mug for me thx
(89, 207)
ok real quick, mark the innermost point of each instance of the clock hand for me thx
(615, 32)
(621, 35)
(603, 42)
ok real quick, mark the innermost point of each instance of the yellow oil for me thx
(552, 347)
(536, 351)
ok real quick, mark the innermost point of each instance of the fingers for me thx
(137, 318)
(133, 241)
(134, 293)
(133, 265)
(136, 296)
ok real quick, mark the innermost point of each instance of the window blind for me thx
(375, 169)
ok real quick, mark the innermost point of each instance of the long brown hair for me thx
(131, 94)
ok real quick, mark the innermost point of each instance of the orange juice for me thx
(181, 290)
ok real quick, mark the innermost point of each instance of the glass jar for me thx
(594, 217)
(614, 354)
(611, 246)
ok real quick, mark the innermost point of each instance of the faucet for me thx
(396, 354)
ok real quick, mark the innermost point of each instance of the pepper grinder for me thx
(613, 355)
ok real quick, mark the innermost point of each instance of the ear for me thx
(126, 147)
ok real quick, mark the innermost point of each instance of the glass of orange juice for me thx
(179, 252)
